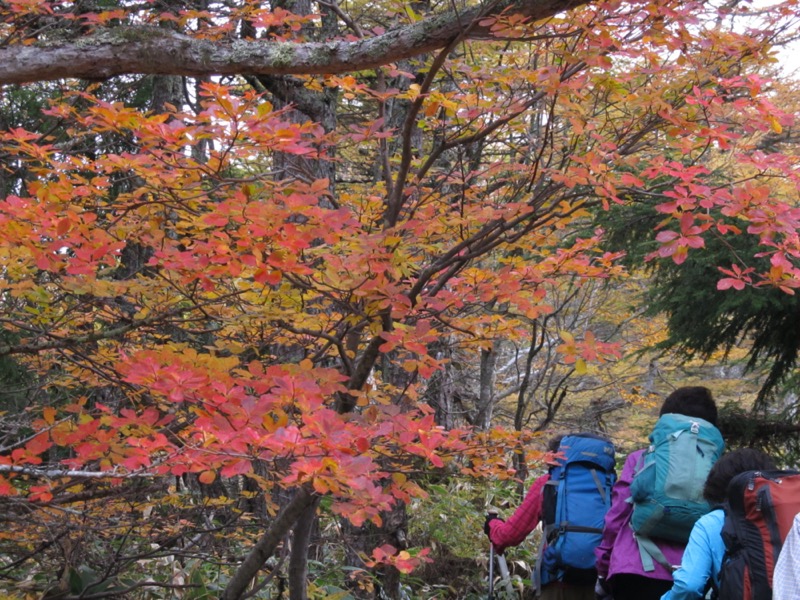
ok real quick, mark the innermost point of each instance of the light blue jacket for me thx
(702, 559)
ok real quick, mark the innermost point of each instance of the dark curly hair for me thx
(730, 465)
(692, 401)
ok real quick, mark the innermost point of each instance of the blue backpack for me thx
(574, 505)
(667, 487)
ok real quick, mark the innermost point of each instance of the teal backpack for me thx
(667, 488)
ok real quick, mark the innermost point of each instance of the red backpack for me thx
(759, 512)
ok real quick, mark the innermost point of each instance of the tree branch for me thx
(57, 473)
(159, 51)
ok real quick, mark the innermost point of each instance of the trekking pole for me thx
(489, 516)
(504, 574)
(491, 571)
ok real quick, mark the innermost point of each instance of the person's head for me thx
(553, 445)
(728, 466)
(692, 401)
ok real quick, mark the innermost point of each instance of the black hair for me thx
(554, 443)
(730, 465)
(692, 401)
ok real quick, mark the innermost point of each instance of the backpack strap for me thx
(649, 552)
(712, 590)
(548, 530)
(640, 461)
(600, 487)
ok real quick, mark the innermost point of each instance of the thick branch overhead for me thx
(159, 51)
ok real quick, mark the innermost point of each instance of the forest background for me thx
(293, 292)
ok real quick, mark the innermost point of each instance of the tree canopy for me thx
(246, 245)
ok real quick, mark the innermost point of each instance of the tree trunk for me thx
(440, 391)
(483, 419)
(298, 562)
(266, 546)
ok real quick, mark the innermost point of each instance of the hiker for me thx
(786, 579)
(572, 523)
(760, 510)
(638, 550)
(702, 559)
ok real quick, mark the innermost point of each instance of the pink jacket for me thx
(523, 521)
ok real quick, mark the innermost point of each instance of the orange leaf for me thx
(207, 477)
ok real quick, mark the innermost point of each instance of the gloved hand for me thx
(602, 591)
(489, 518)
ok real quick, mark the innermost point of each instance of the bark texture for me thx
(159, 51)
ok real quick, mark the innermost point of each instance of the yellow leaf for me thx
(263, 109)
(414, 17)
(580, 367)
(413, 91)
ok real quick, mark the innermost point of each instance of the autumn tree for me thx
(236, 289)
(708, 317)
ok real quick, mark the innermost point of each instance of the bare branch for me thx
(159, 51)
(56, 473)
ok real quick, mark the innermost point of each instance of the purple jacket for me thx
(619, 552)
